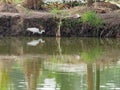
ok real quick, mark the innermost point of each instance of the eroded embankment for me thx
(15, 24)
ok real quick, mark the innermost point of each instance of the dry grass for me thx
(111, 17)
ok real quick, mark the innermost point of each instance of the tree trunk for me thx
(58, 30)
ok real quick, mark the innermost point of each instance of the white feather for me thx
(35, 30)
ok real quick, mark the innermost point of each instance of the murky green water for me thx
(59, 64)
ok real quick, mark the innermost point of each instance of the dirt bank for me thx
(15, 24)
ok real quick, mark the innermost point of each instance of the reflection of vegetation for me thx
(97, 76)
(5, 70)
(17, 76)
(90, 76)
(16, 47)
(69, 46)
(4, 80)
(11, 46)
(69, 81)
(35, 74)
(89, 50)
(59, 48)
(32, 69)
(91, 55)
(111, 74)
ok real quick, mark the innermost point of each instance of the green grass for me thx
(91, 18)
(18, 1)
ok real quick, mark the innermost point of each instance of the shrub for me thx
(91, 18)
(71, 23)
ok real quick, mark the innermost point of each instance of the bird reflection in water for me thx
(35, 42)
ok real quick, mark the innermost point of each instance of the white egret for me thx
(35, 30)
(35, 42)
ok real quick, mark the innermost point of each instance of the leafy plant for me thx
(71, 23)
(92, 18)
(55, 12)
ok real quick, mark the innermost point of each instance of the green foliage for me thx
(91, 18)
(55, 11)
(71, 23)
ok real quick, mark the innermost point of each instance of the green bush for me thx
(91, 18)
(71, 23)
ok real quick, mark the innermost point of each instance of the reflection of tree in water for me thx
(32, 68)
(93, 78)
(90, 76)
(90, 51)
(97, 76)
(89, 54)
(59, 48)
(95, 54)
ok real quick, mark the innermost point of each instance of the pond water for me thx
(59, 64)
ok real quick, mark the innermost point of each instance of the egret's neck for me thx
(41, 32)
